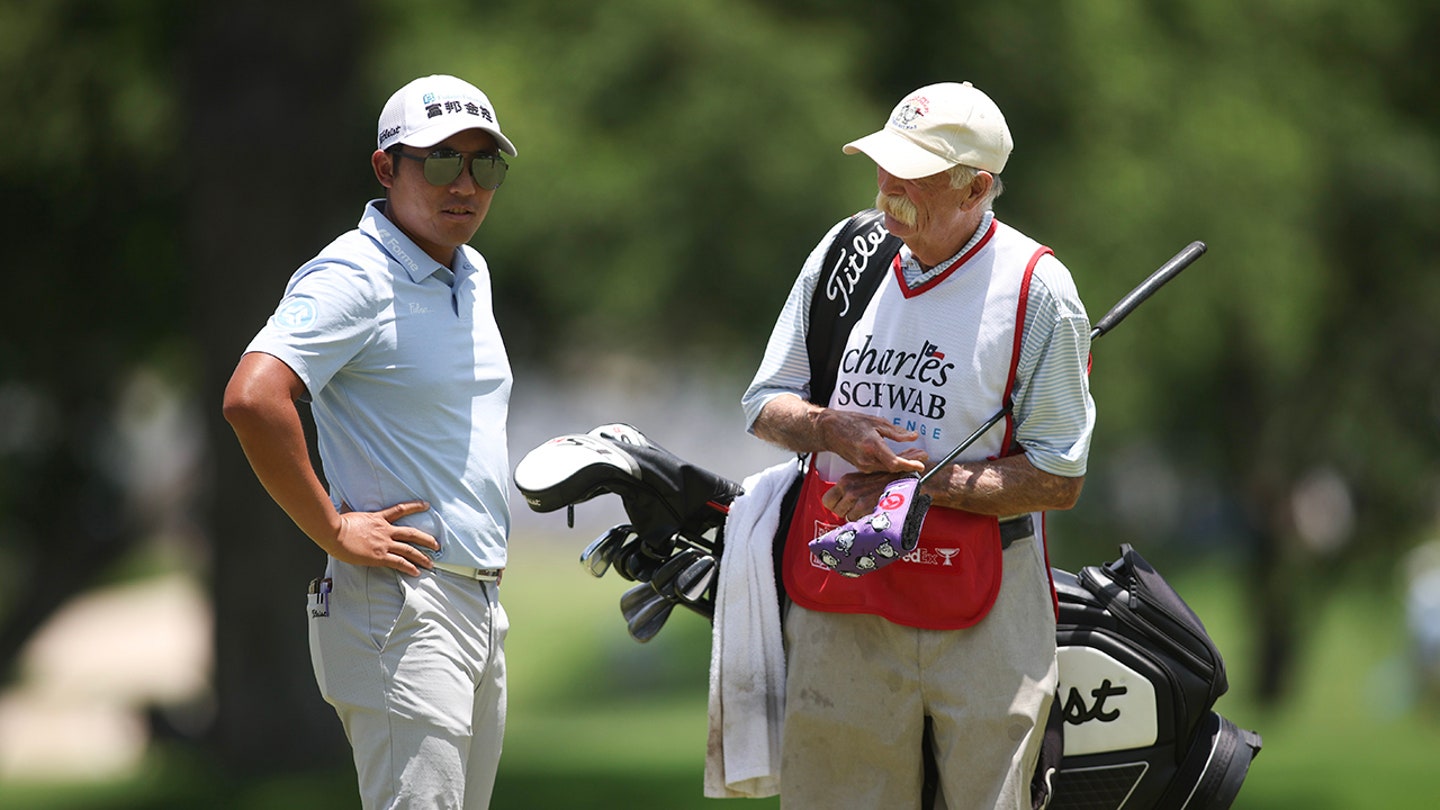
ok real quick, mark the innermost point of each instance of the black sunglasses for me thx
(442, 166)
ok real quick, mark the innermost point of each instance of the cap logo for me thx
(910, 113)
(434, 108)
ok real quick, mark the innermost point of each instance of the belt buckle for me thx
(474, 574)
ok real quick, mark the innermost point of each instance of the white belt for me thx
(477, 574)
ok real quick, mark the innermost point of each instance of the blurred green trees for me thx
(168, 165)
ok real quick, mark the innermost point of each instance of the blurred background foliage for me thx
(168, 164)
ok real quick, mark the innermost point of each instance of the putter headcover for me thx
(880, 538)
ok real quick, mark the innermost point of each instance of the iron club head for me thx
(635, 562)
(645, 611)
(692, 583)
(632, 600)
(600, 554)
(663, 580)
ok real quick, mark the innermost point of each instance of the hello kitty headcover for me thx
(880, 538)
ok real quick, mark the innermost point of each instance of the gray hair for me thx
(962, 176)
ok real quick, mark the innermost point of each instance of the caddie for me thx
(952, 647)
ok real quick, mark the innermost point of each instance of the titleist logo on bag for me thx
(852, 262)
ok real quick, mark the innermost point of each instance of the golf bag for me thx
(1133, 724)
(1138, 679)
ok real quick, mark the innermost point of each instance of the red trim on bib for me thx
(909, 293)
(1020, 308)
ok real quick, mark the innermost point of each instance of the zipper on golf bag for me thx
(1155, 611)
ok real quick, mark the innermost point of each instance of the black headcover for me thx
(662, 494)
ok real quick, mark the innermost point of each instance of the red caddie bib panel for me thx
(948, 582)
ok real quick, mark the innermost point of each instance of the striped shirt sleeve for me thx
(1054, 412)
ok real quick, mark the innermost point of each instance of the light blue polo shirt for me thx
(409, 383)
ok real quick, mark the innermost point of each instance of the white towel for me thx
(747, 657)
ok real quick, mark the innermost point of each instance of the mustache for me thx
(897, 206)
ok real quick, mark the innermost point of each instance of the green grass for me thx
(599, 721)
(1354, 733)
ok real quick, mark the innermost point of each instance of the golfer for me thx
(388, 333)
(952, 648)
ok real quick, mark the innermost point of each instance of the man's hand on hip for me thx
(372, 538)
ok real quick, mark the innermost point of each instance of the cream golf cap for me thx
(432, 108)
(936, 127)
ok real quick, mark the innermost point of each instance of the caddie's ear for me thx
(979, 189)
(384, 165)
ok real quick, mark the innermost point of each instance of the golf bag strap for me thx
(855, 264)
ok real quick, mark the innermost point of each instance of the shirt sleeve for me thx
(327, 316)
(785, 368)
(1054, 412)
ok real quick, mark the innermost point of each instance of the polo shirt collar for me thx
(401, 248)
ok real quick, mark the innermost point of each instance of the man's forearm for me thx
(1004, 486)
(280, 459)
(861, 439)
(260, 407)
(790, 422)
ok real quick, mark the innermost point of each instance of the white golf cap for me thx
(936, 127)
(431, 109)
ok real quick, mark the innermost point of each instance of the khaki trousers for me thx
(858, 690)
(415, 668)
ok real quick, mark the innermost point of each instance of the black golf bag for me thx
(1133, 724)
(1138, 679)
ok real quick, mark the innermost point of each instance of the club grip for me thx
(1157, 279)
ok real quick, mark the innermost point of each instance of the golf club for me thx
(633, 599)
(600, 554)
(664, 578)
(893, 528)
(645, 611)
(692, 583)
(634, 563)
